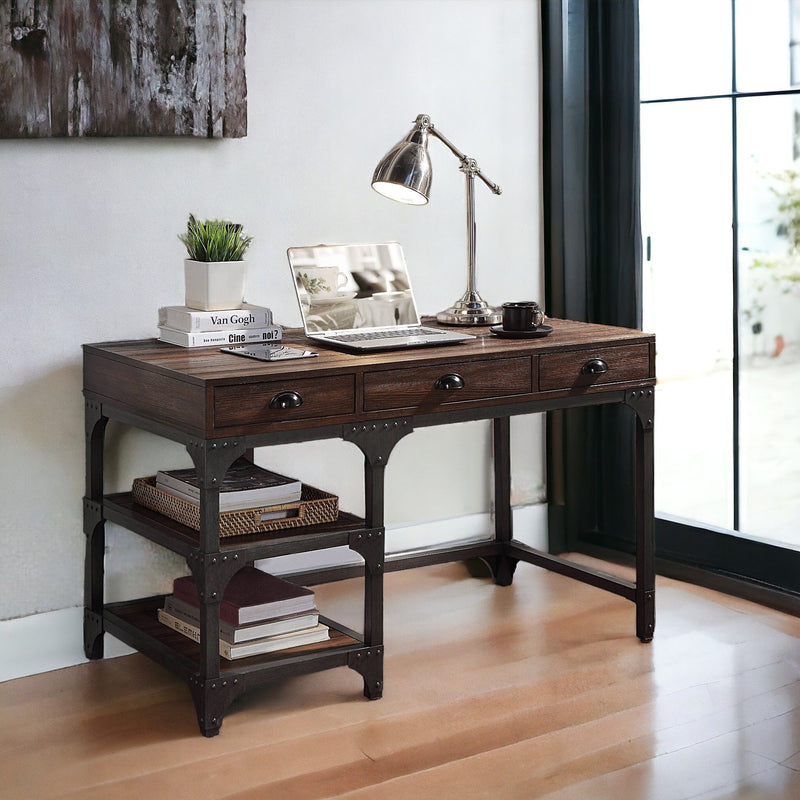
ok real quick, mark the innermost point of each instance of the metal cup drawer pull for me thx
(595, 366)
(286, 400)
(449, 382)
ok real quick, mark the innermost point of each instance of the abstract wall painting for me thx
(122, 68)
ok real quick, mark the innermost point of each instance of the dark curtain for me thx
(592, 244)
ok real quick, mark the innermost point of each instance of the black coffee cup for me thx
(524, 315)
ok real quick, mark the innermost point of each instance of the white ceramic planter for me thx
(214, 285)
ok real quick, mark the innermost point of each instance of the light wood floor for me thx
(539, 690)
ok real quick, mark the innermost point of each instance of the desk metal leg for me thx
(211, 572)
(376, 442)
(502, 566)
(369, 663)
(643, 403)
(94, 528)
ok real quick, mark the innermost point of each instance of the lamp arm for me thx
(467, 164)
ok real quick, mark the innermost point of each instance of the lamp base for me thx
(471, 309)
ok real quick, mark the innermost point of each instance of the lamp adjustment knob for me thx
(595, 366)
(449, 382)
(285, 400)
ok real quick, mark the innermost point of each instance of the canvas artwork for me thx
(122, 68)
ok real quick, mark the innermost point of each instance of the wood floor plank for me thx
(535, 690)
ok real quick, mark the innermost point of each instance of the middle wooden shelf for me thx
(123, 510)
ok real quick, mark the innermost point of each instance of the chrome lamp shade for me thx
(404, 174)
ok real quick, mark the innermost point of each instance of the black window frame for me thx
(593, 267)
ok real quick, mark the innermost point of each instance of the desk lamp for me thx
(404, 174)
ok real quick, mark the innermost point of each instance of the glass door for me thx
(769, 312)
(686, 158)
(720, 137)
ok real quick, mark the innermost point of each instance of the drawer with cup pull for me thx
(458, 382)
(281, 400)
(585, 368)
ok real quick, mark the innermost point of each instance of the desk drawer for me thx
(277, 401)
(594, 367)
(426, 387)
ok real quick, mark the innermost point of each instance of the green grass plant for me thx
(214, 240)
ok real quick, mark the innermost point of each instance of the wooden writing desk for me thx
(220, 406)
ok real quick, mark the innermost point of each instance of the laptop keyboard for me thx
(390, 334)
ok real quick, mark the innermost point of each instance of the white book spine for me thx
(232, 634)
(270, 644)
(189, 320)
(272, 333)
(231, 503)
(281, 641)
(191, 631)
(290, 492)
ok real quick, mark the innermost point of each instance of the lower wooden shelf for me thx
(136, 623)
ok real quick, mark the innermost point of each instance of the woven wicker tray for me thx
(314, 507)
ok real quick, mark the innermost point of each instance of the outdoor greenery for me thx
(780, 271)
(788, 193)
(214, 240)
(785, 269)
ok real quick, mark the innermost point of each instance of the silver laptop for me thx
(359, 298)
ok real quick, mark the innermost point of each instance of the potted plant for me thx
(215, 271)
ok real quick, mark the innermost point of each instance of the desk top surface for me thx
(209, 366)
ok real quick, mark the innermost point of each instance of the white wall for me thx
(89, 250)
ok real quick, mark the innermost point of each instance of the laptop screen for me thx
(352, 287)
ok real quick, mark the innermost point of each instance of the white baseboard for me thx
(44, 642)
(530, 527)
(54, 640)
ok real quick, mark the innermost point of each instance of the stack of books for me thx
(189, 327)
(245, 485)
(259, 613)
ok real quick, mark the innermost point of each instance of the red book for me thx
(251, 596)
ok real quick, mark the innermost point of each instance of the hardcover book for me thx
(269, 644)
(251, 596)
(245, 485)
(190, 320)
(268, 512)
(271, 333)
(234, 634)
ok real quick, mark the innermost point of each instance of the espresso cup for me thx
(523, 315)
